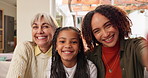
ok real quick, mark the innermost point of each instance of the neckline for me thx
(110, 67)
(111, 49)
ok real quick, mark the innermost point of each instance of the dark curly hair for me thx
(57, 69)
(117, 17)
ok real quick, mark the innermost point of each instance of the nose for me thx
(40, 31)
(105, 33)
(67, 45)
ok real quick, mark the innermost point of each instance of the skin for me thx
(104, 31)
(106, 34)
(42, 34)
(67, 46)
(145, 55)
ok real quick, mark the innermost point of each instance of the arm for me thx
(145, 53)
(19, 62)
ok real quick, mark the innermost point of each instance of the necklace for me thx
(110, 68)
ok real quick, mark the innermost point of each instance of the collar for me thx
(38, 51)
(122, 44)
(98, 49)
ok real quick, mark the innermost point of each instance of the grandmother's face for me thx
(42, 33)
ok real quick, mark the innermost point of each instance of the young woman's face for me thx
(67, 45)
(104, 31)
(42, 33)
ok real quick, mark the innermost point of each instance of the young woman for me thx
(104, 30)
(31, 58)
(68, 59)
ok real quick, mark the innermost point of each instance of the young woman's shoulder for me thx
(135, 45)
(135, 41)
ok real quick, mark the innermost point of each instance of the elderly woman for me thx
(31, 58)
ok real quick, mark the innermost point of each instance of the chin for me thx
(67, 59)
(109, 45)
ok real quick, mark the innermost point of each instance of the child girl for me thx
(68, 59)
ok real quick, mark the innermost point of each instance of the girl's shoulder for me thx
(90, 63)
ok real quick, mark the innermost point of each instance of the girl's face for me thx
(42, 33)
(104, 31)
(67, 45)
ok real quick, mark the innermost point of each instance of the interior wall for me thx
(26, 9)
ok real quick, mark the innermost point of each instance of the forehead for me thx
(41, 19)
(68, 33)
(99, 17)
(98, 20)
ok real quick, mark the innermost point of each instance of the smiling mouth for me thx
(67, 52)
(41, 37)
(110, 39)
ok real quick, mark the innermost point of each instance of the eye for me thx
(74, 42)
(34, 27)
(108, 25)
(61, 41)
(46, 26)
(96, 31)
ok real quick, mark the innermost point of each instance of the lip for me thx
(67, 52)
(41, 37)
(109, 39)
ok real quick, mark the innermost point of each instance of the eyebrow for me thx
(42, 24)
(65, 38)
(45, 23)
(106, 23)
(34, 24)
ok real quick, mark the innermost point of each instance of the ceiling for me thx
(11, 2)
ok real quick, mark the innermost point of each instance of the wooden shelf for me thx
(1, 31)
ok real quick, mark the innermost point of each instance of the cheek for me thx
(114, 29)
(117, 30)
(34, 32)
(97, 36)
(58, 47)
(77, 48)
(50, 32)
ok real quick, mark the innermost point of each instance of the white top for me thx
(71, 71)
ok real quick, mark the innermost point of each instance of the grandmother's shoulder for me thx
(26, 43)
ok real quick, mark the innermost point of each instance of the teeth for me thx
(41, 37)
(67, 52)
(109, 38)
